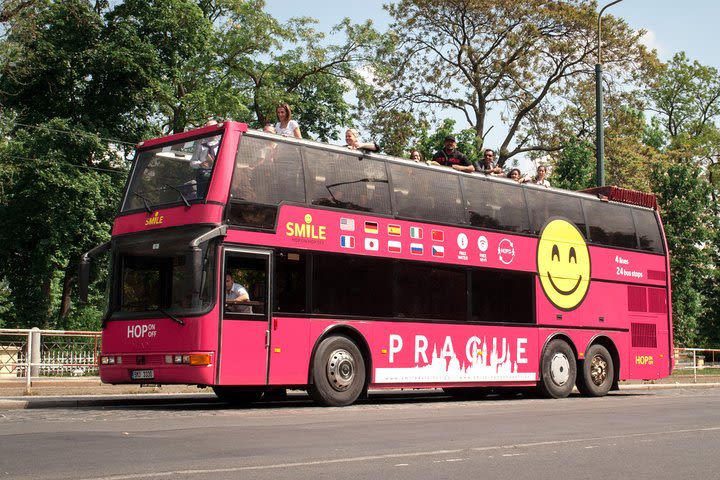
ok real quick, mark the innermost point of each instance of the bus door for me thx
(244, 332)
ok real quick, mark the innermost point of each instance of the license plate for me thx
(142, 374)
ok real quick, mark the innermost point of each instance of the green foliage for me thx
(520, 57)
(575, 167)
(59, 206)
(681, 188)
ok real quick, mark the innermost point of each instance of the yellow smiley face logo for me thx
(563, 264)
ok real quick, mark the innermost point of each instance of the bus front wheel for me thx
(597, 372)
(338, 372)
(558, 370)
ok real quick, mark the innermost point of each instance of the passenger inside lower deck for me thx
(235, 296)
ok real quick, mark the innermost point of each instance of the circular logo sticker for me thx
(506, 251)
(482, 243)
(462, 241)
(563, 264)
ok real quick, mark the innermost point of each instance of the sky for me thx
(672, 25)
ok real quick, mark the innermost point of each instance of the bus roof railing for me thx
(624, 195)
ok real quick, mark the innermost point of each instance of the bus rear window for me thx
(648, 231)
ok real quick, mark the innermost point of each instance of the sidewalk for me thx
(90, 392)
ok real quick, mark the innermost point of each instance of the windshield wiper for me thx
(172, 317)
(187, 204)
(145, 201)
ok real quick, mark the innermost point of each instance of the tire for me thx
(237, 396)
(338, 372)
(597, 372)
(558, 370)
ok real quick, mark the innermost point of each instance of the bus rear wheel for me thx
(597, 372)
(338, 372)
(558, 370)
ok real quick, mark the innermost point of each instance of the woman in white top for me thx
(540, 177)
(286, 126)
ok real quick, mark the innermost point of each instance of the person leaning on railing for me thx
(451, 157)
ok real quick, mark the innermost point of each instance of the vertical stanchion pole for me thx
(37, 343)
(694, 367)
(28, 361)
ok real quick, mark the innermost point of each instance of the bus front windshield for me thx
(179, 172)
(163, 274)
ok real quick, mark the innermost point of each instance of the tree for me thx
(57, 208)
(575, 167)
(519, 57)
(267, 62)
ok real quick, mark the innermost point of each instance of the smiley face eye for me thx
(555, 253)
(573, 255)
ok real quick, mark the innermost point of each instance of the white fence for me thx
(27, 354)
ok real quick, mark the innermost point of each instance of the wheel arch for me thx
(353, 334)
(609, 344)
(560, 336)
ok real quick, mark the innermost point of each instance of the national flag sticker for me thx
(437, 235)
(416, 232)
(347, 241)
(438, 251)
(394, 246)
(416, 248)
(394, 230)
(372, 244)
(347, 224)
(371, 227)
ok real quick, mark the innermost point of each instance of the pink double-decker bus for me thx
(251, 262)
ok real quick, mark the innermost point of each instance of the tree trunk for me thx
(66, 300)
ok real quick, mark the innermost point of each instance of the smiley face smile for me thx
(560, 290)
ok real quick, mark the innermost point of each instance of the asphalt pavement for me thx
(90, 392)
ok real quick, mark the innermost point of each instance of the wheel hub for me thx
(598, 370)
(341, 369)
(559, 369)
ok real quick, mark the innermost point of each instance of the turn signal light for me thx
(200, 359)
(194, 359)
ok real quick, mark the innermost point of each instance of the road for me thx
(629, 434)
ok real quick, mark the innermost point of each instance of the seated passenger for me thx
(235, 295)
(352, 141)
(416, 156)
(517, 176)
(449, 156)
(540, 177)
(488, 165)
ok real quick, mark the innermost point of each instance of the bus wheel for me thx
(597, 372)
(236, 396)
(557, 370)
(338, 372)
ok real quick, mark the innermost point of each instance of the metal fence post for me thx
(36, 344)
(694, 366)
(28, 361)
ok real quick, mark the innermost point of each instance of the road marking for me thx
(173, 473)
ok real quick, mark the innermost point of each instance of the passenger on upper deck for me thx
(416, 156)
(286, 126)
(517, 176)
(488, 165)
(449, 156)
(540, 179)
(352, 140)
